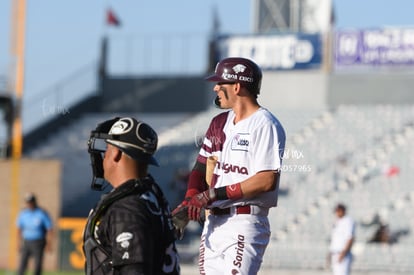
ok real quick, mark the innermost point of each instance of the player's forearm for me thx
(262, 182)
(49, 238)
(196, 182)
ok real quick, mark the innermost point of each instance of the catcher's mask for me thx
(133, 137)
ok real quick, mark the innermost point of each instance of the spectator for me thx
(381, 235)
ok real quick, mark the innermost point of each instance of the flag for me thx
(112, 19)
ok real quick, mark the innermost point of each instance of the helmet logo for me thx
(239, 68)
(120, 127)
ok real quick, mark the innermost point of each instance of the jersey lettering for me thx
(201, 255)
(171, 263)
(239, 251)
(243, 142)
(240, 142)
(228, 167)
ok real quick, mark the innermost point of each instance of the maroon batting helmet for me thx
(240, 70)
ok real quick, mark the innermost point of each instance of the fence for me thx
(60, 97)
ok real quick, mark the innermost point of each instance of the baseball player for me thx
(248, 143)
(342, 238)
(130, 230)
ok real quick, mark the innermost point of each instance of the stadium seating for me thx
(360, 155)
(352, 157)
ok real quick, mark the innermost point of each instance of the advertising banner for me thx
(276, 52)
(376, 47)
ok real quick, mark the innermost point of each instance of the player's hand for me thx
(182, 205)
(180, 218)
(48, 247)
(341, 256)
(198, 202)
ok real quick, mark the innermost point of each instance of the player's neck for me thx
(243, 111)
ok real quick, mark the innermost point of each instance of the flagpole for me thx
(103, 53)
(110, 19)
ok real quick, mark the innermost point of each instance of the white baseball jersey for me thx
(243, 149)
(235, 244)
(343, 231)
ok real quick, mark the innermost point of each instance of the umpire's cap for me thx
(240, 70)
(135, 138)
(30, 198)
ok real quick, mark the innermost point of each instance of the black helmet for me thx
(133, 137)
(240, 70)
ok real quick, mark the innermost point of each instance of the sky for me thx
(63, 36)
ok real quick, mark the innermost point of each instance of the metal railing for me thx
(127, 55)
(58, 99)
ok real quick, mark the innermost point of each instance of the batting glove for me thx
(200, 201)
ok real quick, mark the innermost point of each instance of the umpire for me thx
(130, 229)
(35, 231)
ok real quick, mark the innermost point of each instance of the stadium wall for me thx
(298, 89)
(42, 177)
(371, 88)
(154, 94)
(316, 89)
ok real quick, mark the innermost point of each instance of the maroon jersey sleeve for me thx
(213, 142)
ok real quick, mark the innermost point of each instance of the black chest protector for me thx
(98, 260)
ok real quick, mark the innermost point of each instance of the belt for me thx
(241, 209)
(245, 209)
